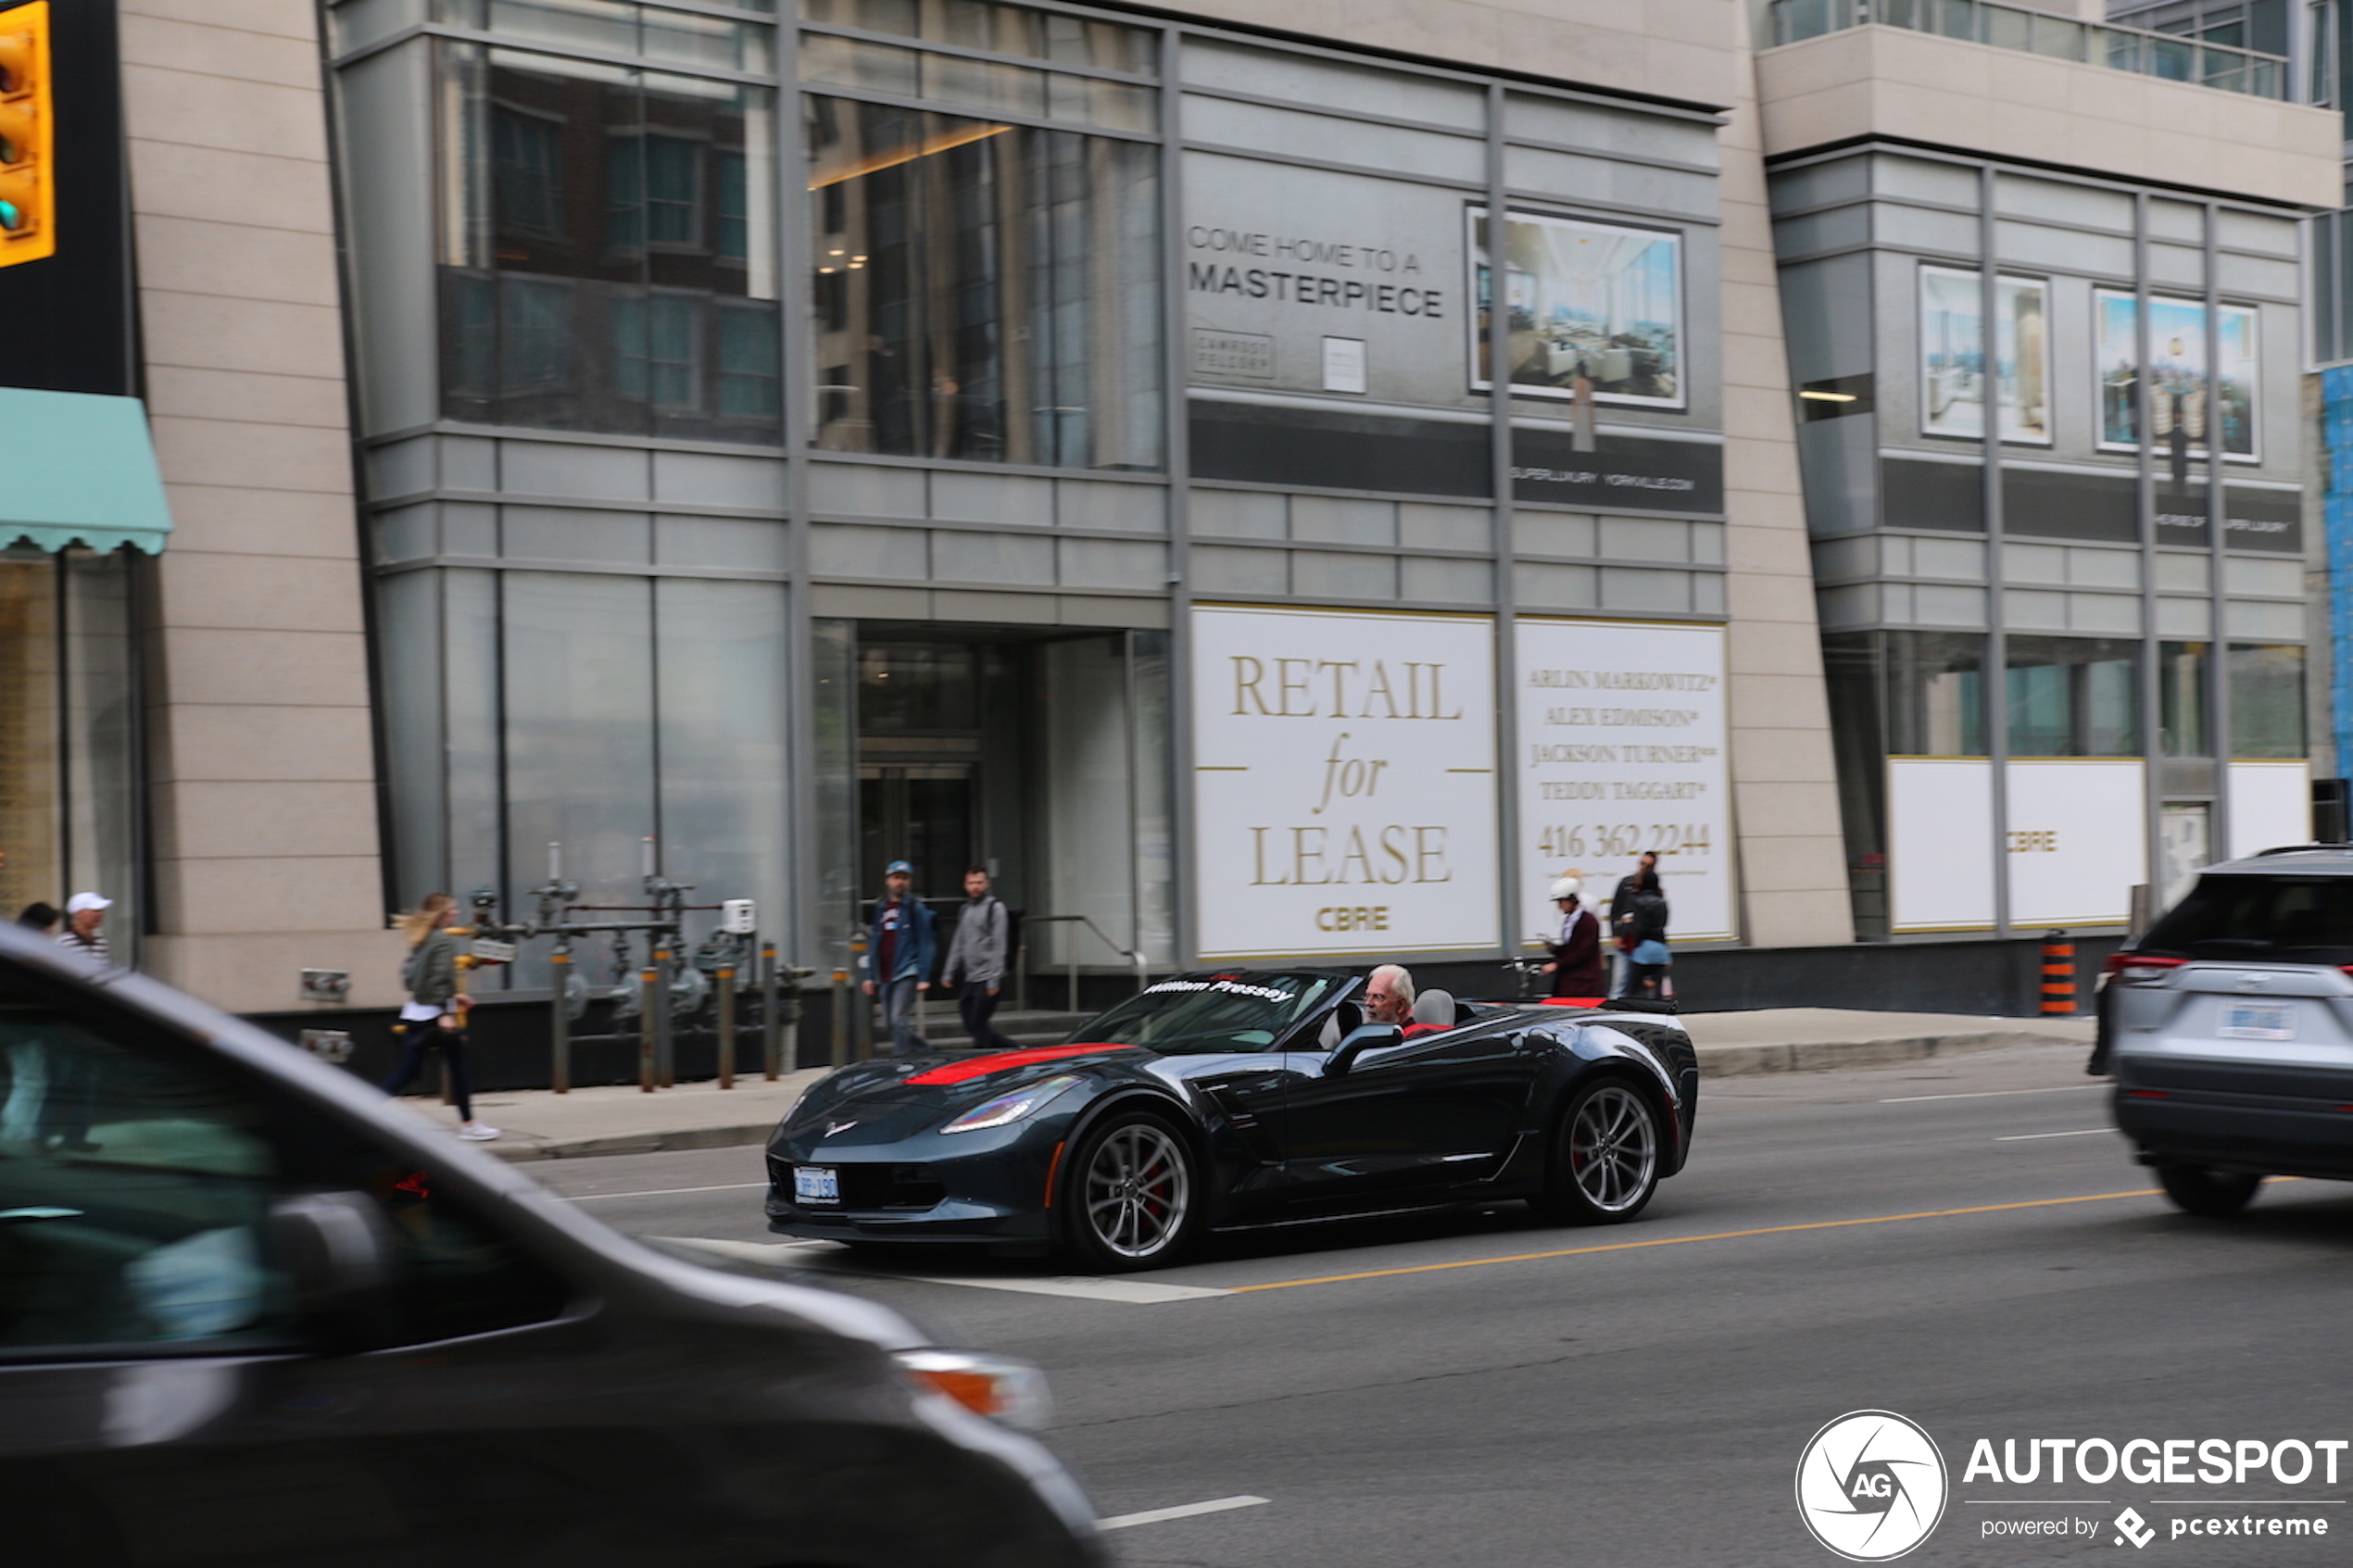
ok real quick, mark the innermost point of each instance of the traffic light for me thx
(28, 137)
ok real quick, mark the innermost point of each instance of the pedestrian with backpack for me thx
(1638, 915)
(434, 1017)
(977, 956)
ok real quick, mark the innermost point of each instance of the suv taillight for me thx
(2140, 968)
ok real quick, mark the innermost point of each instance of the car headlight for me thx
(1011, 1108)
(997, 1386)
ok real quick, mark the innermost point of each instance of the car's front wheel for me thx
(2198, 1189)
(1605, 1163)
(1133, 1195)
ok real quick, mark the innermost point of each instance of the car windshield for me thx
(1224, 1012)
(2270, 919)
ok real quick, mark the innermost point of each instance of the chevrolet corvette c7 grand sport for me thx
(1227, 1100)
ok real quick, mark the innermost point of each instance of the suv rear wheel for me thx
(2198, 1189)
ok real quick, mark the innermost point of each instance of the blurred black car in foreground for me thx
(1228, 1099)
(251, 1313)
(2229, 1027)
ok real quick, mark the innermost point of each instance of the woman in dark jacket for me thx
(435, 1017)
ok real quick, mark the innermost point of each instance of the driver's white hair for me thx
(1401, 980)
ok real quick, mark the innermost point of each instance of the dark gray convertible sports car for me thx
(1232, 1099)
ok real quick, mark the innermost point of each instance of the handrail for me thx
(2165, 55)
(1142, 974)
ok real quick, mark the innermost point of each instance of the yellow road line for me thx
(1678, 1240)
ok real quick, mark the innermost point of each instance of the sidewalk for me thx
(539, 1124)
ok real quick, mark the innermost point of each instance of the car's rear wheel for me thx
(1133, 1195)
(1605, 1164)
(2198, 1189)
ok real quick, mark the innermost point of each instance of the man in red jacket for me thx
(1576, 968)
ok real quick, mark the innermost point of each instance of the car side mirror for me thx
(1370, 1036)
(337, 1250)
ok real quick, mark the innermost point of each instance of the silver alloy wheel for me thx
(1613, 1147)
(1138, 1191)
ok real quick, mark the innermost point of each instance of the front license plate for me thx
(2259, 1021)
(816, 1184)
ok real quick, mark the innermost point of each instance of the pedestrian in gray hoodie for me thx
(976, 959)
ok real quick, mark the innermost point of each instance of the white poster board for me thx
(1284, 262)
(1622, 750)
(2078, 839)
(1939, 843)
(2271, 805)
(1344, 782)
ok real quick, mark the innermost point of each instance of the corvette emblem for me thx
(832, 1127)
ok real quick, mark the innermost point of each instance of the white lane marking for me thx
(1989, 1093)
(1160, 1515)
(1088, 1287)
(2029, 1137)
(656, 1192)
(1084, 1287)
(754, 1251)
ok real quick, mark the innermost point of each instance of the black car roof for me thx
(2307, 859)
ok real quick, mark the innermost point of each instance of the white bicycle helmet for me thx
(1567, 887)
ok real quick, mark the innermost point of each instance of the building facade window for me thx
(2183, 694)
(976, 280)
(2074, 696)
(2267, 700)
(594, 216)
(69, 735)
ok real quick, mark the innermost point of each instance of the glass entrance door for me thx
(921, 812)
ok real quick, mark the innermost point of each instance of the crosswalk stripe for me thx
(1187, 1510)
(1082, 1287)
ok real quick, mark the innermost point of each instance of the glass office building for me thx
(804, 437)
(2053, 477)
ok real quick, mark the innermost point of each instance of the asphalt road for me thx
(1964, 1243)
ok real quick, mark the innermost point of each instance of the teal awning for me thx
(81, 470)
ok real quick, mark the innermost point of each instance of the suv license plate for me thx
(2259, 1021)
(816, 1184)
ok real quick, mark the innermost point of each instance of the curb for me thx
(1823, 1056)
(527, 1147)
(1715, 1061)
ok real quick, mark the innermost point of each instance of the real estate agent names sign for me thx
(1343, 783)
(1622, 750)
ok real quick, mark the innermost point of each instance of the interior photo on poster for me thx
(1599, 302)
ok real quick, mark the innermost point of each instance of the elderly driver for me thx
(1388, 998)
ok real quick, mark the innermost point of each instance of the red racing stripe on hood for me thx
(997, 1061)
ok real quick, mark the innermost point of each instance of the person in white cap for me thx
(86, 917)
(1576, 968)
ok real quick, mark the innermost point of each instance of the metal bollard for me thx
(560, 1023)
(841, 1018)
(769, 1038)
(465, 964)
(2058, 975)
(649, 995)
(666, 1040)
(725, 980)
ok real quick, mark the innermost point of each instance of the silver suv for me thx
(2229, 1028)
